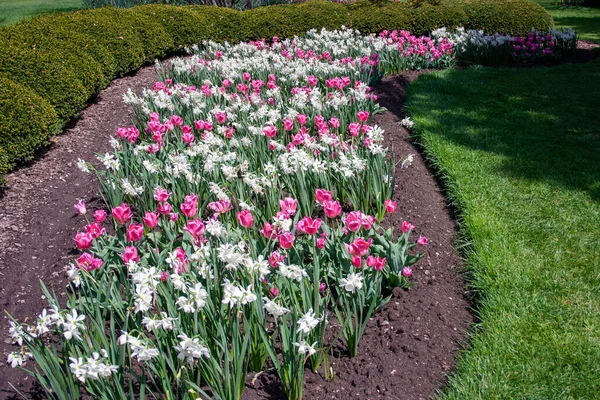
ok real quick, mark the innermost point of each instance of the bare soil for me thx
(407, 350)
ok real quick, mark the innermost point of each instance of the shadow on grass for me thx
(544, 122)
(588, 26)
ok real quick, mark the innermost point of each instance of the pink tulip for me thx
(406, 272)
(354, 221)
(88, 262)
(406, 226)
(268, 231)
(302, 119)
(246, 76)
(195, 227)
(275, 258)
(270, 131)
(273, 292)
(150, 219)
(221, 117)
(220, 207)
(199, 125)
(363, 116)
(164, 276)
(135, 232)
(83, 240)
(161, 195)
(359, 247)
(181, 263)
(288, 205)
(122, 214)
(188, 137)
(176, 120)
(423, 241)
(357, 261)
(245, 218)
(95, 229)
(309, 226)
(332, 208)
(80, 207)
(286, 240)
(164, 208)
(288, 124)
(323, 195)
(367, 221)
(189, 209)
(390, 206)
(354, 128)
(321, 242)
(130, 255)
(100, 216)
(173, 216)
(377, 263)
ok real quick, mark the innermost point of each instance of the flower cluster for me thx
(243, 212)
(477, 47)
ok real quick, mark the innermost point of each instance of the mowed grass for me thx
(584, 20)
(519, 150)
(12, 11)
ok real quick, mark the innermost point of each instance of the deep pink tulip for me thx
(150, 219)
(323, 195)
(378, 263)
(135, 232)
(423, 241)
(332, 208)
(407, 226)
(286, 240)
(390, 206)
(359, 247)
(288, 205)
(309, 226)
(83, 240)
(100, 216)
(88, 262)
(130, 255)
(122, 213)
(195, 227)
(245, 218)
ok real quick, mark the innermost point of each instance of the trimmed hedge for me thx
(512, 17)
(57, 62)
(27, 120)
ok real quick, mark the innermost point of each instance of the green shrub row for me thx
(51, 65)
(26, 122)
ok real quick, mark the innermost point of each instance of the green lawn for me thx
(584, 20)
(520, 152)
(12, 11)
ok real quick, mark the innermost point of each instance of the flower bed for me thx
(476, 47)
(66, 58)
(245, 204)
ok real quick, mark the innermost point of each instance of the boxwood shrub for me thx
(54, 63)
(27, 120)
(511, 17)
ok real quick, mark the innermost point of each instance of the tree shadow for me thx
(544, 122)
(590, 25)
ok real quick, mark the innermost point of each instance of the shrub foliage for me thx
(27, 120)
(58, 61)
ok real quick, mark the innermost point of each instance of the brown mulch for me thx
(37, 218)
(408, 348)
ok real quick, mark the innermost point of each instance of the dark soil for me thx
(408, 348)
(37, 218)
